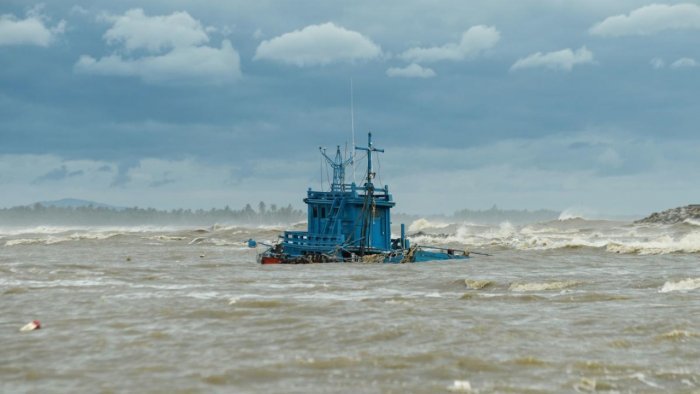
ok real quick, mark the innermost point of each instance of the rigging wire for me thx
(321, 173)
(328, 179)
(364, 156)
(379, 170)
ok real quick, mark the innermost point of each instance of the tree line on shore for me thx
(38, 214)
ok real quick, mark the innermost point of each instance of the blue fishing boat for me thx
(351, 223)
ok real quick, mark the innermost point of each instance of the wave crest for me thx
(543, 286)
(477, 284)
(681, 285)
(424, 224)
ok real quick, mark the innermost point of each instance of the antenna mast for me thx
(352, 127)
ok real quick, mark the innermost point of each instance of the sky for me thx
(585, 105)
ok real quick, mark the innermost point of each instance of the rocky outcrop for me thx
(675, 215)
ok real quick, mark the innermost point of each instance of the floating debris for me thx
(31, 326)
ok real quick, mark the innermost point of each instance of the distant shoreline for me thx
(103, 214)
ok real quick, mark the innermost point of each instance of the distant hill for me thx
(76, 203)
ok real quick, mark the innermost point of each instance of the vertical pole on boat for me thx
(352, 127)
(403, 236)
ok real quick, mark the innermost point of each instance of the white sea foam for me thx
(681, 285)
(49, 230)
(222, 242)
(423, 224)
(572, 213)
(642, 378)
(544, 286)
(614, 237)
(54, 239)
(204, 295)
(162, 237)
(476, 284)
(693, 222)
(60, 283)
(37, 241)
(689, 243)
(460, 386)
(24, 241)
(94, 235)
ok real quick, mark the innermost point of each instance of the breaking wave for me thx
(53, 230)
(692, 222)
(571, 232)
(477, 284)
(609, 236)
(544, 286)
(51, 239)
(678, 335)
(572, 213)
(681, 285)
(425, 224)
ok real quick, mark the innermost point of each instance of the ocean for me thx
(562, 306)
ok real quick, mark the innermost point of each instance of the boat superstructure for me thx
(351, 223)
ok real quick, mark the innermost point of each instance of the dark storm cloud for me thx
(57, 175)
(128, 104)
(122, 177)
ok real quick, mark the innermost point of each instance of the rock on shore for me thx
(675, 215)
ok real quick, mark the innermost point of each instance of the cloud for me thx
(122, 177)
(149, 181)
(602, 168)
(684, 62)
(474, 41)
(57, 175)
(165, 180)
(657, 63)
(318, 45)
(650, 19)
(185, 65)
(79, 10)
(29, 31)
(411, 71)
(174, 51)
(563, 60)
(134, 30)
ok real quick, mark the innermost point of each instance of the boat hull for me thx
(412, 255)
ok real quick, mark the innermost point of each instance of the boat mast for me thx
(338, 165)
(368, 206)
(370, 148)
(352, 127)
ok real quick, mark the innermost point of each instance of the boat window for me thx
(323, 212)
(315, 212)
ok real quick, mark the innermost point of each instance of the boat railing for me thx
(449, 251)
(306, 239)
(346, 190)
